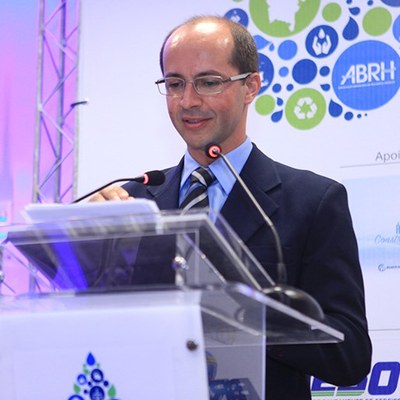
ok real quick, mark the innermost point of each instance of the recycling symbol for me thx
(302, 111)
(305, 108)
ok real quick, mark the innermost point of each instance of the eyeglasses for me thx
(207, 85)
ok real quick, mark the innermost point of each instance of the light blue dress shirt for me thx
(219, 190)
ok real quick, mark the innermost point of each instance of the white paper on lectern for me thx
(36, 213)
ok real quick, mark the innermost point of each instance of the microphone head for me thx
(153, 178)
(297, 299)
(213, 150)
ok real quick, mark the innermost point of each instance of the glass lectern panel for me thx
(129, 250)
(158, 251)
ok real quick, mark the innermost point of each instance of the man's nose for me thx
(190, 98)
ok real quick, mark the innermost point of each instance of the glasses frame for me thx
(226, 80)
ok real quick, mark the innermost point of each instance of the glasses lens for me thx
(208, 84)
(172, 86)
(204, 85)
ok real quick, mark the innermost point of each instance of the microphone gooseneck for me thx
(150, 178)
(214, 151)
(294, 297)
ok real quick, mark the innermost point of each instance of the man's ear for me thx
(253, 83)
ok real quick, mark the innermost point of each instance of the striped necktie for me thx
(197, 196)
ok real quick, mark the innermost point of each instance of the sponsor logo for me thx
(383, 267)
(382, 382)
(382, 239)
(345, 52)
(367, 75)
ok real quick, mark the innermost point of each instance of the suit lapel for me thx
(260, 175)
(167, 194)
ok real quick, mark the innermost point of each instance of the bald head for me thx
(244, 55)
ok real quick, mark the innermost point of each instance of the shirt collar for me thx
(225, 178)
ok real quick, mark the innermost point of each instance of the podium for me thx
(145, 305)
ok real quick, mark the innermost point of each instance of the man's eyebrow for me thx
(173, 75)
(199, 75)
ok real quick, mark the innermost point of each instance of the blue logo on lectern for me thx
(91, 383)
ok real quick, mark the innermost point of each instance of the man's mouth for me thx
(195, 121)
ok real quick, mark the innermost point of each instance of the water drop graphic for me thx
(261, 42)
(335, 109)
(277, 116)
(354, 10)
(90, 359)
(351, 30)
(325, 87)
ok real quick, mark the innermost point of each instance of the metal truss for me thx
(55, 138)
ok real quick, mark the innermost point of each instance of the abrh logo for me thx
(369, 74)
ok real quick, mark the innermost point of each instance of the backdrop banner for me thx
(329, 102)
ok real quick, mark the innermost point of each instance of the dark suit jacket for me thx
(312, 217)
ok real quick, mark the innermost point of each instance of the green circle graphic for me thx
(265, 105)
(377, 21)
(305, 109)
(274, 20)
(332, 12)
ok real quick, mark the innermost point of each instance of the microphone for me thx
(150, 178)
(294, 297)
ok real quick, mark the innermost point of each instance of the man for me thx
(210, 76)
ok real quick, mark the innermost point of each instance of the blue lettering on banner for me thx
(382, 381)
(390, 386)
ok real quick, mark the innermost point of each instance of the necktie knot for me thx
(202, 176)
(197, 196)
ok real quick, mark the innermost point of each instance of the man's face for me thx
(205, 49)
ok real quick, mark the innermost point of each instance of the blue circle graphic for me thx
(324, 71)
(266, 71)
(396, 29)
(304, 71)
(366, 75)
(322, 41)
(97, 375)
(392, 3)
(97, 393)
(284, 71)
(287, 49)
(348, 116)
(81, 379)
(238, 15)
(276, 88)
